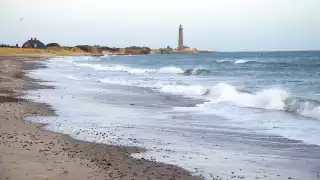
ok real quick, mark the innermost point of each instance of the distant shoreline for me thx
(64, 52)
(40, 52)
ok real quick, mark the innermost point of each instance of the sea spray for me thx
(265, 99)
(269, 99)
(165, 70)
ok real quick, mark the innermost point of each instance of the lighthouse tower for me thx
(180, 41)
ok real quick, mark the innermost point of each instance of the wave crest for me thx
(171, 69)
(166, 70)
(241, 61)
(265, 99)
(196, 71)
(304, 107)
(99, 67)
(270, 99)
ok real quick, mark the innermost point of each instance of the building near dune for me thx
(34, 43)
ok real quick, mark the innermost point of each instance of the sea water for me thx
(252, 115)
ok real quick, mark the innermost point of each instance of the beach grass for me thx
(32, 51)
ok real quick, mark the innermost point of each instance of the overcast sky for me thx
(223, 25)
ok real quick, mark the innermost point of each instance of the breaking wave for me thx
(197, 71)
(100, 67)
(166, 70)
(171, 69)
(241, 61)
(270, 99)
(304, 107)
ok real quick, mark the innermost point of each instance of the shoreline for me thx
(28, 152)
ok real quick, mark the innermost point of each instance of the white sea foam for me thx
(312, 113)
(171, 69)
(116, 81)
(265, 99)
(73, 77)
(241, 61)
(153, 84)
(307, 108)
(270, 99)
(223, 60)
(167, 70)
(60, 60)
(94, 66)
(193, 90)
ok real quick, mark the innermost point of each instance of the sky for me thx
(221, 25)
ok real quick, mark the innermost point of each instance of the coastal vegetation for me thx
(137, 50)
(53, 45)
(56, 49)
(96, 50)
(34, 51)
(7, 46)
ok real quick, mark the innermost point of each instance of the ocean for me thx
(251, 115)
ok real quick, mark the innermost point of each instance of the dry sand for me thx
(27, 152)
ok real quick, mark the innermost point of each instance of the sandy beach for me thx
(27, 152)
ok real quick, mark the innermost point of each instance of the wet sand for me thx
(27, 152)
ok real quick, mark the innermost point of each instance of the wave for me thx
(171, 69)
(269, 99)
(100, 67)
(196, 71)
(223, 61)
(166, 70)
(266, 99)
(151, 83)
(271, 62)
(304, 107)
(241, 61)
